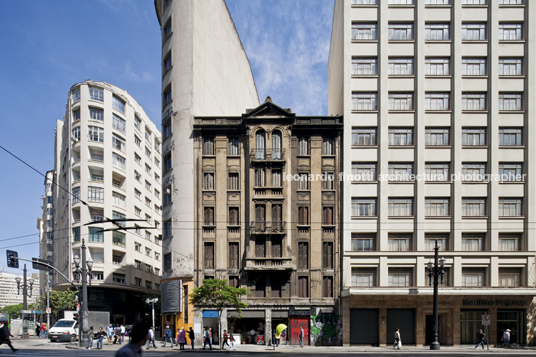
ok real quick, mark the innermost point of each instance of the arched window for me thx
(276, 145)
(260, 145)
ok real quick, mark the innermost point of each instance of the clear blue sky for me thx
(47, 46)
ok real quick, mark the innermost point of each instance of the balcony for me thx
(267, 154)
(271, 263)
(272, 192)
(267, 227)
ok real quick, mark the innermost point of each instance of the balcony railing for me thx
(270, 263)
(267, 154)
(267, 227)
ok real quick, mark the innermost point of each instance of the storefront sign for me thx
(293, 312)
(496, 302)
(260, 339)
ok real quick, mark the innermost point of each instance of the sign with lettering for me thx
(496, 302)
(486, 320)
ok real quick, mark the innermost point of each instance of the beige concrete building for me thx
(436, 88)
(267, 206)
(205, 71)
(107, 166)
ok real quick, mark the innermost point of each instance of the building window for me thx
(233, 255)
(76, 115)
(234, 219)
(96, 114)
(76, 134)
(167, 29)
(209, 255)
(75, 95)
(364, 171)
(436, 101)
(434, 66)
(327, 216)
(76, 234)
(363, 277)
(473, 277)
(168, 229)
(167, 262)
(148, 237)
(363, 242)
(400, 171)
(118, 104)
(96, 94)
(364, 207)
(118, 238)
(76, 194)
(473, 32)
(208, 146)
(437, 2)
(442, 241)
(510, 31)
(400, 66)
(510, 277)
(400, 32)
(167, 130)
(509, 242)
(303, 183)
(364, 2)
(260, 288)
(303, 286)
(511, 171)
(400, 136)
(137, 281)
(364, 101)
(400, 101)
(148, 152)
(327, 286)
(400, 2)
(473, 242)
(233, 281)
(118, 278)
(118, 143)
(400, 242)
(167, 163)
(148, 169)
(473, 136)
(327, 179)
(118, 123)
(233, 147)
(473, 66)
(275, 288)
(474, 101)
(137, 122)
(364, 136)
(118, 199)
(303, 216)
(167, 63)
(364, 31)
(137, 141)
(260, 218)
(510, 101)
(364, 66)
(327, 255)
(277, 178)
(400, 277)
(118, 161)
(473, 207)
(303, 255)
(95, 194)
(209, 216)
(303, 146)
(328, 146)
(510, 66)
(276, 248)
(260, 178)
(400, 207)
(233, 182)
(510, 2)
(475, 2)
(436, 207)
(510, 207)
(473, 171)
(436, 32)
(208, 181)
(148, 284)
(437, 136)
(95, 134)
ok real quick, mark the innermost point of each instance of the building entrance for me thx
(364, 327)
(403, 319)
(513, 320)
(471, 322)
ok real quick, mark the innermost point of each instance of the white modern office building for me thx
(443, 90)
(10, 295)
(107, 166)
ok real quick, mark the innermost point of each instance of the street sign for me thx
(486, 321)
(26, 311)
(37, 266)
(49, 310)
(77, 307)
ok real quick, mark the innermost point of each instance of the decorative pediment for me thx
(269, 109)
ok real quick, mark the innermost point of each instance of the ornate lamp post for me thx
(435, 269)
(85, 273)
(24, 299)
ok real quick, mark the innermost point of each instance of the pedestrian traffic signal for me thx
(12, 259)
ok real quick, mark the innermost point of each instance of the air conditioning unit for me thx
(168, 191)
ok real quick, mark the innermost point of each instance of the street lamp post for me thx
(24, 299)
(84, 272)
(435, 269)
(152, 301)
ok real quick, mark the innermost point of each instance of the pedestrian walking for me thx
(123, 330)
(167, 336)
(232, 341)
(210, 330)
(43, 333)
(138, 336)
(206, 339)
(90, 336)
(151, 338)
(225, 337)
(181, 338)
(117, 334)
(100, 336)
(38, 329)
(506, 338)
(110, 334)
(191, 336)
(4, 336)
(398, 341)
(480, 338)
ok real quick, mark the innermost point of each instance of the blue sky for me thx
(47, 46)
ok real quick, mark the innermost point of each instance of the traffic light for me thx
(12, 259)
(75, 316)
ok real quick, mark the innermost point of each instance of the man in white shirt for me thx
(151, 338)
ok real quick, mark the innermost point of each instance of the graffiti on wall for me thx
(326, 329)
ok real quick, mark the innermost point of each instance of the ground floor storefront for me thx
(373, 319)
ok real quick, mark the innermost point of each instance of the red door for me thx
(295, 324)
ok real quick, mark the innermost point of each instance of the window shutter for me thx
(209, 255)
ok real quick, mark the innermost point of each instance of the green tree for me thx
(12, 310)
(62, 300)
(217, 294)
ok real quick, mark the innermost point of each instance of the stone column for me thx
(198, 319)
(268, 327)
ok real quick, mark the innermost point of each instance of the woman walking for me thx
(100, 336)
(90, 336)
(181, 338)
(397, 340)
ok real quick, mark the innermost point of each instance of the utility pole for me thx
(48, 301)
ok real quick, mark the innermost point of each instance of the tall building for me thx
(45, 225)
(10, 295)
(267, 211)
(443, 90)
(205, 71)
(107, 166)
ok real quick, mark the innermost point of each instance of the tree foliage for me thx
(62, 300)
(13, 310)
(218, 294)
